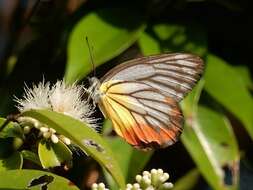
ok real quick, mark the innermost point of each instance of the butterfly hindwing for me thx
(140, 114)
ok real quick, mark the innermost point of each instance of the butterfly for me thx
(141, 97)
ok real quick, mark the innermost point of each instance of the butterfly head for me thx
(93, 91)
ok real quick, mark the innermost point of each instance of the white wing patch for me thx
(172, 74)
(133, 71)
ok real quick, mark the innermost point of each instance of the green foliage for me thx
(173, 38)
(52, 43)
(34, 179)
(11, 130)
(244, 73)
(231, 92)
(85, 137)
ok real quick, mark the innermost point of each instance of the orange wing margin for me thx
(141, 115)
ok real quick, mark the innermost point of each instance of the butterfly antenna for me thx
(91, 57)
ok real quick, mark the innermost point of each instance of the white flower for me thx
(62, 98)
(35, 98)
(67, 99)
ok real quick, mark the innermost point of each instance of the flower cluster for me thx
(153, 180)
(44, 131)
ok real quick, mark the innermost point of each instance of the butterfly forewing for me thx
(141, 97)
(172, 74)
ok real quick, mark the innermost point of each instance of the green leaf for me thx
(188, 181)
(209, 139)
(53, 154)
(178, 38)
(131, 160)
(10, 130)
(226, 86)
(190, 103)
(82, 135)
(14, 161)
(244, 73)
(138, 161)
(219, 134)
(122, 152)
(148, 44)
(110, 32)
(31, 156)
(22, 179)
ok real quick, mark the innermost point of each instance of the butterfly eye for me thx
(93, 81)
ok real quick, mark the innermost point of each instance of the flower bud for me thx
(54, 138)
(27, 129)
